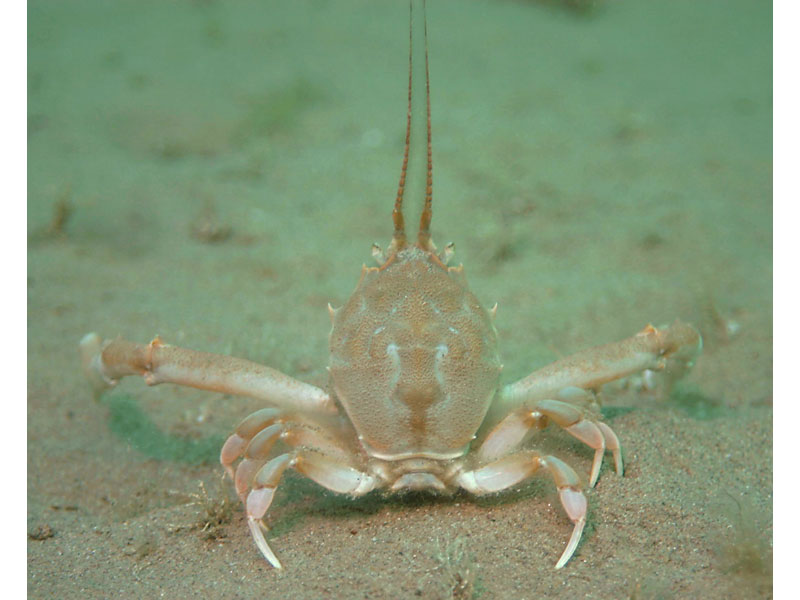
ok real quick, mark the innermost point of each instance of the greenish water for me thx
(216, 172)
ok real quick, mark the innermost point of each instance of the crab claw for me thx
(91, 347)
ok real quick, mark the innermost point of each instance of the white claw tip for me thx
(91, 347)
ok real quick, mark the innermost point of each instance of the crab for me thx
(415, 400)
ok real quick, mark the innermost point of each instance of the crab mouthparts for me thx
(419, 481)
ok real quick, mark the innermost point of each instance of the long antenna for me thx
(411, 176)
(399, 237)
(424, 236)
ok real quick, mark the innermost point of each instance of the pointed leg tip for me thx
(572, 545)
(574, 503)
(257, 529)
(596, 466)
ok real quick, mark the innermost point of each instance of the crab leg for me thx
(510, 470)
(257, 434)
(105, 362)
(512, 430)
(673, 350)
(326, 471)
(318, 455)
(237, 442)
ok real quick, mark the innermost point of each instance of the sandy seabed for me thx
(216, 173)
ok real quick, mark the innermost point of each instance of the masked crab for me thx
(415, 400)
